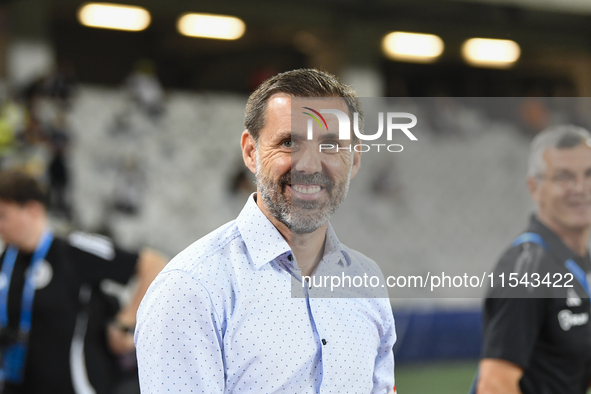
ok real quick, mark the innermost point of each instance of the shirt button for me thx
(289, 257)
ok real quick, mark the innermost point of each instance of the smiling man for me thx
(221, 317)
(534, 344)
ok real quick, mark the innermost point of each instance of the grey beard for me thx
(301, 217)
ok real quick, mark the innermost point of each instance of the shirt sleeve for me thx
(383, 375)
(512, 327)
(513, 317)
(98, 258)
(179, 338)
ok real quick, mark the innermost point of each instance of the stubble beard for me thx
(300, 216)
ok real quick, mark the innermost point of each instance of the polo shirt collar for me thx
(553, 241)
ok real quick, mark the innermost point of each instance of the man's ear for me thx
(356, 163)
(533, 185)
(249, 151)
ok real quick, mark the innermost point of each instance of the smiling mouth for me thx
(306, 189)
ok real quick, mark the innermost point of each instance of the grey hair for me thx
(557, 137)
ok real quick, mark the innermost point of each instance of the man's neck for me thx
(576, 239)
(30, 242)
(308, 249)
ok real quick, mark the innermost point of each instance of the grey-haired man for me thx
(542, 343)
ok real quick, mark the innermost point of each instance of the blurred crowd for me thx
(34, 134)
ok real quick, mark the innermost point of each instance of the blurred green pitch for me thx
(452, 377)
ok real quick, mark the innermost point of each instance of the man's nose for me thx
(307, 160)
(581, 185)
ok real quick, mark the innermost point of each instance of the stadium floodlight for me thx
(114, 16)
(412, 47)
(486, 52)
(221, 27)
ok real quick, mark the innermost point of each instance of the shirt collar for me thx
(264, 242)
(333, 249)
(555, 244)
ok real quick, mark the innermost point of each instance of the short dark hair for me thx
(305, 82)
(21, 188)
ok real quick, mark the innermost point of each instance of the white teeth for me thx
(306, 190)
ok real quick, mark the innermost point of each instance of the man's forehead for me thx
(288, 114)
(305, 110)
(574, 158)
(7, 205)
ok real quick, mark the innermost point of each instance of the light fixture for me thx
(114, 16)
(412, 47)
(486, 52)
(221, 27)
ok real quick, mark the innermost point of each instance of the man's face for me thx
(300, 186)
(15, 222)
(563, 193)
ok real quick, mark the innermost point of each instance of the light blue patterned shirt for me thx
(220, 318)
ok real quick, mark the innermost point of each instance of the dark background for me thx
(327, 34)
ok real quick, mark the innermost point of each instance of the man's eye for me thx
(287, 144)
(562, 177)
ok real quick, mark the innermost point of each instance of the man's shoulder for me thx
(373, 298)
(525, 257)
(207, 253)
(360, 260)
(91, 243)
(523, 269)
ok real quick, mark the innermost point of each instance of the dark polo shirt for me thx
(547, 331)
